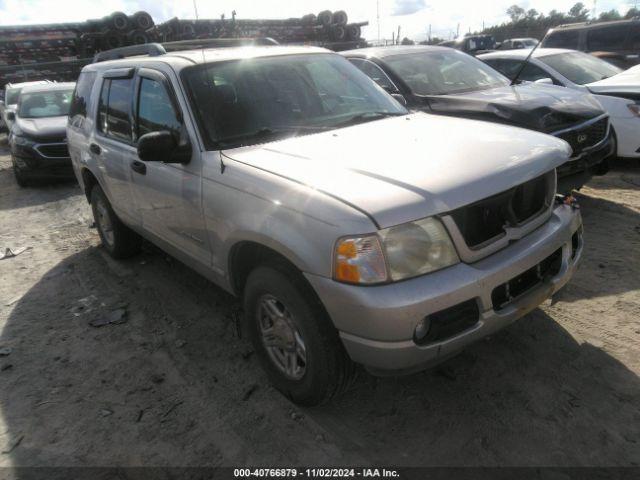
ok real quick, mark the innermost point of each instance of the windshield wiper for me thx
(366, 117)
(266, 133)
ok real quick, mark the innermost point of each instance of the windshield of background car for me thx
(289, 94)
(580, 68)
(45, 104)
(442, 73)
(12, 96)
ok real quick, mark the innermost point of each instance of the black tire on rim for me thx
(295, 341)
(118, 239)
(21, 179)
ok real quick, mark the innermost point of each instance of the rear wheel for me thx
(118, 239)
(297, 345)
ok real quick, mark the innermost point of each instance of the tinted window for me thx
(509, 68)
(374, 72)
(580, 68)
(562, 39)
(444, 72)
(12, 96)
(635, 37)
(155, 110)
(82, 94)
(114, 108)
(44, 104)
(257, 100)
(607, 38)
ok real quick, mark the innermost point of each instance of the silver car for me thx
(354, 231)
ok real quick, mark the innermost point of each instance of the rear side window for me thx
(114, 109)
(374, 72)
(82, 96)
(607, 38)
(155, 109)
(563, 39)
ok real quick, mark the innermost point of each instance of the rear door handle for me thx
(95, 148)
(139, 167)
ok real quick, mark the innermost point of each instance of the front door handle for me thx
(139, 167)
(95, 148)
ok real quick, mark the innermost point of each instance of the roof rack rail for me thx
(151, 49)
(217, 43)
(157, 49)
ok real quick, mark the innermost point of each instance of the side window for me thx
(102, 106)
(81, 97)
(634, 41)
(374, 72)
(607, 38)
(532, 73)
(155, 109)
(114, 118)
(562, 39)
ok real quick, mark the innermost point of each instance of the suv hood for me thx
(624, 82)
(405, 168)
(543, 108)
(43, 128)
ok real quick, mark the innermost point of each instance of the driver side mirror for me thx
(11, 116)
(163, 147)
(400, 99)
(544, 81)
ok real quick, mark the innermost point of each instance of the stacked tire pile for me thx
(58, 51)
(327, 28)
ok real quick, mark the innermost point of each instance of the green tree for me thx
(633, 12)
(516, 13)
(579, 13)
(612, 14)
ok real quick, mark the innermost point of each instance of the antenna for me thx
(195, 8)
(526, 60)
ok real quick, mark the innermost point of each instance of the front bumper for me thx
(33, 164)
(572, 175)
(377, 323)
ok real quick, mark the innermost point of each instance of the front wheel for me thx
(21, 179)
(118, 239)
(297, 345)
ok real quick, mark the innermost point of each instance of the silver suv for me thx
(352, 230)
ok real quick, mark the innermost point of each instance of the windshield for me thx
(45, 104)
(250, 101)
(444, 72)
(12, 96)
(580, 68)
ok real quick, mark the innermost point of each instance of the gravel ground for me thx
(172, 385)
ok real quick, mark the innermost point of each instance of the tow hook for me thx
(568, 200)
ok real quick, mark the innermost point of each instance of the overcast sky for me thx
(414, 16)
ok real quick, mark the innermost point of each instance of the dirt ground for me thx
(174, 386)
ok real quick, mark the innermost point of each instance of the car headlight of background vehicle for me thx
(395, 253)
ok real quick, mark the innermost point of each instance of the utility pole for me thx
(429, 33)
(398, 36)
(458, 31)
(378, 18)
(594, 10)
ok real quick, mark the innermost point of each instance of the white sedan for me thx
(617, 90)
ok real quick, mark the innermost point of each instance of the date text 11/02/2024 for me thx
(315, 473)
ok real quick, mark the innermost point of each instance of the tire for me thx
(142, 20)
(324, 18)
(327, 368)
(339, 18)
(118, 239)
(21, 178)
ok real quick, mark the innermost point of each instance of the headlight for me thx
(410, 250)
(634, 108)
